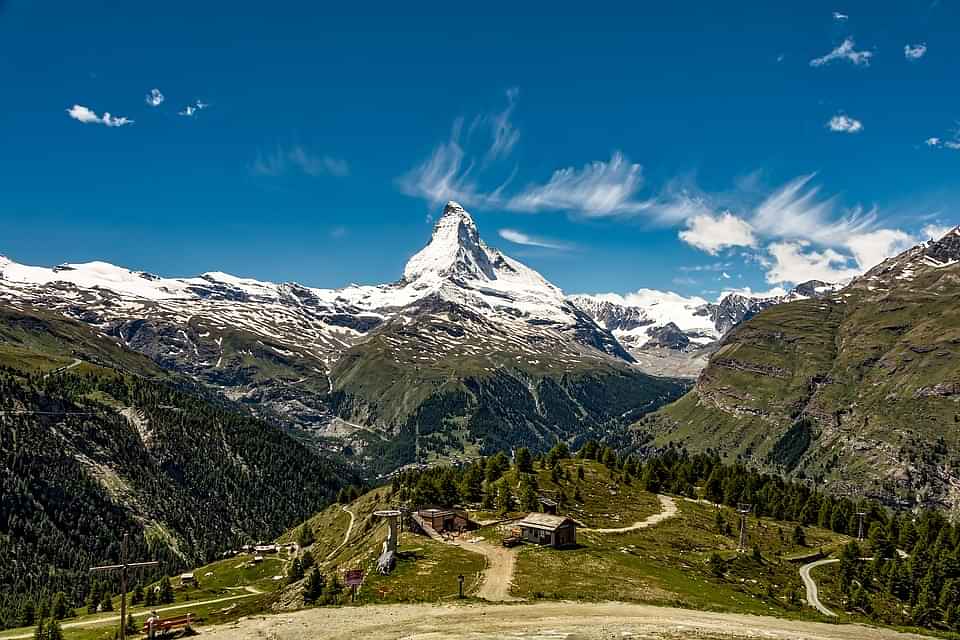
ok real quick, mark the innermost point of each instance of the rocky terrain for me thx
(669, 334)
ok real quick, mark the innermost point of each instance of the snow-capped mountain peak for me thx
(454, 250)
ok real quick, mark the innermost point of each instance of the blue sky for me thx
(609, 147)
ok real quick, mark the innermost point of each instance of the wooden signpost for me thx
(353, 579)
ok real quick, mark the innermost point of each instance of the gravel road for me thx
(540, 621)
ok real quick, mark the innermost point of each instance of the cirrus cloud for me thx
(598, 189)
(519, 237)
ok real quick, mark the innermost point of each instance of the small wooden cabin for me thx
(547, 529)
(441, 520)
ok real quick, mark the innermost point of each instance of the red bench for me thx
(166, 624)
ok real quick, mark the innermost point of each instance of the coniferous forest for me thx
(85, 458)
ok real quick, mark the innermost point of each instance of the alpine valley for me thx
(469, 352)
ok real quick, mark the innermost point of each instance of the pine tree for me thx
(717, 565)
(314, 587)
(332, 590)
(106, 603)
(528, 497)
(308, 560)
(150, 598)
(305, 536)
(28, 613)
(719, 523)
(799, 536)
(137, 597)
(524, 461)
(472, 487)
(58, 608)
(504, 497)
(40, 633)
(295, 573)
(166, 591)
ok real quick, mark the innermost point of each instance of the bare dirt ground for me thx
(541, 621)
(498, 576)
(668, 509)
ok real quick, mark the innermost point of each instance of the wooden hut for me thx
(547, 529)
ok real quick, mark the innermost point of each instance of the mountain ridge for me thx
(856, 391)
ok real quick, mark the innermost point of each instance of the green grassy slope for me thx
(858, 390)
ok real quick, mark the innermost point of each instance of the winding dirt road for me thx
(346, 537)
(668, 509)
(540, 621)
(813, 597)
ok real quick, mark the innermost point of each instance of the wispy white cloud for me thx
(519, 237)
(845, 51)
(155, 98)
(448, 175)
(503, 133)
(714, 233)
(451, 171)
(715, 266)
(798, 211)
(89, 116)
(192, 109)
(934, 231)
(840, 17)
(844, 124)
(914, 51)
(284, 160)
(598, 189)
(939, 143)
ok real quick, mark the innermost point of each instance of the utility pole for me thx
(744, 510)
(124, 567)
(861, 515)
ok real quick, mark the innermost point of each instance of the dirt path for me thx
(668, 509)
(813, 597)
(76, 363)
(346, 537)
(540, 621)
(252, 591)
(498, 576)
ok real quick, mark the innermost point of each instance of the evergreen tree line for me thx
(75, 474)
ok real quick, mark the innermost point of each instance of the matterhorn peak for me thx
(454, 250)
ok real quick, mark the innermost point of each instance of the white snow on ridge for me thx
(662, 307)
